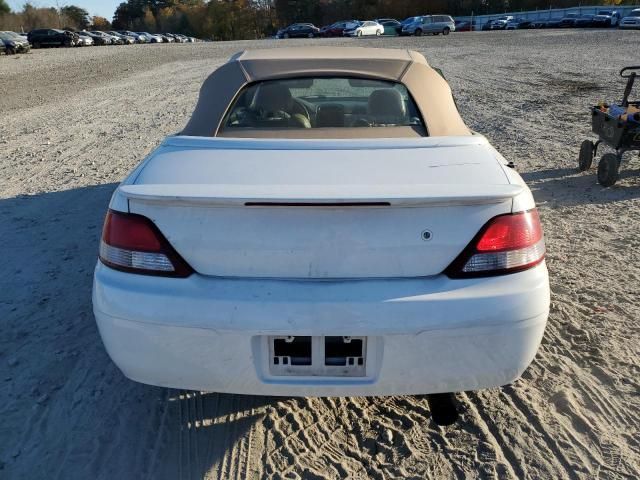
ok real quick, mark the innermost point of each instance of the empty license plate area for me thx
(295, 351)
(317, 356)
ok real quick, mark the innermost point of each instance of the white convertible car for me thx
(325, 225)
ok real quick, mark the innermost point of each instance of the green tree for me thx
(4, 7)
(76, 16)
(122, 18)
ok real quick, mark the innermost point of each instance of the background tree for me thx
(100, 23)
(122, 19)
(75, 16)
(4, 7)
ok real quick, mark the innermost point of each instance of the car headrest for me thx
(272, 97)
(330, 116)
(387, 103)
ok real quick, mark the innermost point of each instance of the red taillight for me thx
(511, 232)
(133, 243)
(506, 244)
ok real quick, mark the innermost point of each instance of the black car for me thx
(540, 23)
(391, 26)
(51, 37)
(569, 20)
(299, 30)
(584, 21)
(554, 23)
(486, 26)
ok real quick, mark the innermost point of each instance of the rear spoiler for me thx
(222, 195)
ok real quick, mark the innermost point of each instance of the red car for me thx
(336, 29)
(463, 26)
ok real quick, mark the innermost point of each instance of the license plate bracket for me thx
(323, 356)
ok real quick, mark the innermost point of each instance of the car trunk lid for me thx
(331, 209)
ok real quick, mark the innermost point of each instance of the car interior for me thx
(321, 102)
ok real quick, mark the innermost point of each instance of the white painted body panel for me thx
(328, 270)
(424, 335)
(195, 190)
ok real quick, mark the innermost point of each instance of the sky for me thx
(103, 8)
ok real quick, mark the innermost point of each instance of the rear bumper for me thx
(424, 335)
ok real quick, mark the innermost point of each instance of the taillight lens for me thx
(133, 243)
(506, 244)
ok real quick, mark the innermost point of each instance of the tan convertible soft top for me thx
(428, 89)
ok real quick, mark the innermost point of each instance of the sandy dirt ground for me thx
(74, 122)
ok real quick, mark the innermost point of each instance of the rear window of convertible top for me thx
(322, 102)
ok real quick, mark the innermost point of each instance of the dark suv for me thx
(50, 37)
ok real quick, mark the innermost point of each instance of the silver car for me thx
(632, 20)
(84, 40)
(12, 43)
(433, 24)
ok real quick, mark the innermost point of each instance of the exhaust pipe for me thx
(443, 409)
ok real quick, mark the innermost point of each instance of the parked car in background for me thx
(432, 24)
(584, 21)
(14, 43)
(518, 24)
(3, 48)
(368, 28)
(632, 20)
(126, 39)
(98, 38)
(85, 40)
(404, 257)
(299, 30)
(408, 21)
(606, 18)
(51, 37)
(391, 26)
(108, 39)
(486, 26)
(334, 30)
(500, 23)
(463, 26)
(553, 23)
(151, 38)
(139, 38)
(115, 40)
(569, 20)
(546, 23)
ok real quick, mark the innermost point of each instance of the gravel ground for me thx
(76, 121)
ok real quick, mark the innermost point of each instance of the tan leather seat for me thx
(275, 106)
(386, 106)
(271, 98)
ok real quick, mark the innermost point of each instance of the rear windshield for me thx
(322, 102)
